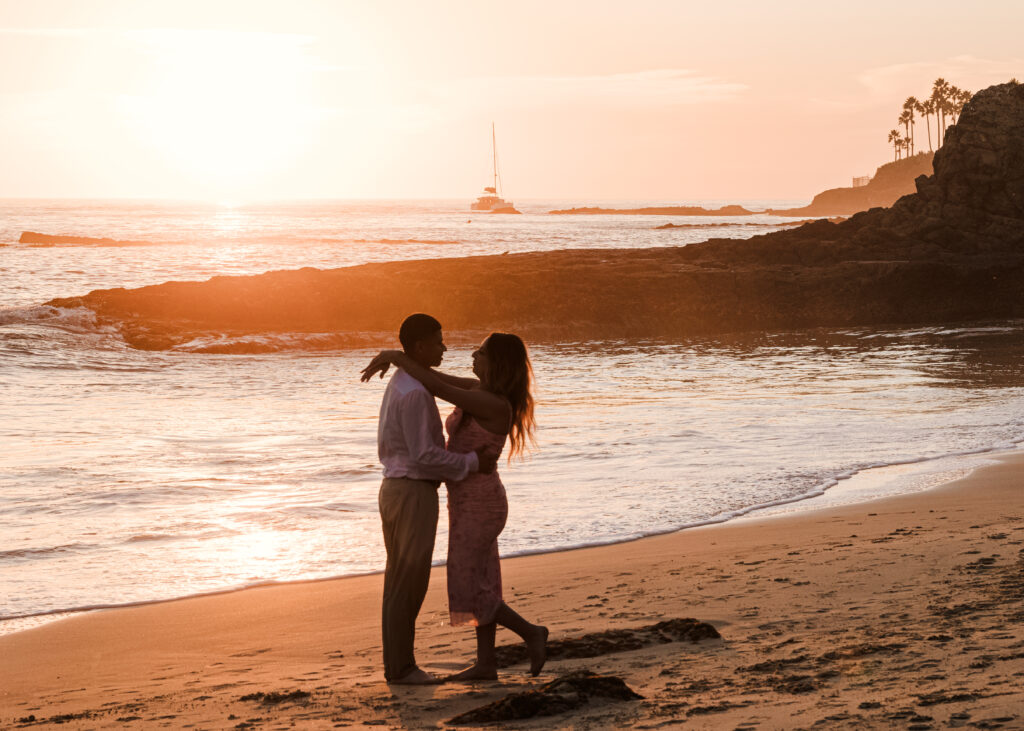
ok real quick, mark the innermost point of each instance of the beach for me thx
(899, 612)
(772, 402)
(682, 384)
(241, 457)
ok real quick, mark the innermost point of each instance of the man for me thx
(410, 445)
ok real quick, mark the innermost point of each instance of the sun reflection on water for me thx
(250, 553)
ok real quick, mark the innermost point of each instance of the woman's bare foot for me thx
(417, 677)
(537, 648)
(474, 672)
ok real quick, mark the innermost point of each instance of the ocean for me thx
(130, 476)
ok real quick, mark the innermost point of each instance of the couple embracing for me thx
(493, 407)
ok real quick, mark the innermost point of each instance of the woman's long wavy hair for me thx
(510, 374)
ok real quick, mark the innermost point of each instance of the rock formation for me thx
(731, 210)
(891, 182)
(971, 210)
(952, 252)
(790, 224)
(34, 238)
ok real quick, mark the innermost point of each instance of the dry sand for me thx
(906, 612)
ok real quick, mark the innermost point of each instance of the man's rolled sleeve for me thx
(428, 460)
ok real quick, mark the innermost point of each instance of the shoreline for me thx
(883, 594)
(786, 507)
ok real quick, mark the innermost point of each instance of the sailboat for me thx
(491, 200)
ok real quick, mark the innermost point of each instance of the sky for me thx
(645, 100)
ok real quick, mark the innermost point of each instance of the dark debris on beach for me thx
(563, 694)
(615, 640)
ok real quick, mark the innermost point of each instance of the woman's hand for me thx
(380, 364)
(487, 459)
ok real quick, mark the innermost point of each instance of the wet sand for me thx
(904, 612)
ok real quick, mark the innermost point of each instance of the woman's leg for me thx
(485, 655)
(486, 666)
(534, 635)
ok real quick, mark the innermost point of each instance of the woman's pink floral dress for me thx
(477, 509)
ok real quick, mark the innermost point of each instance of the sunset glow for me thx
(224, 105)
(521, 364)
(230, 101)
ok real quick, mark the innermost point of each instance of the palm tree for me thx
(951, 96)
(910, 106)
(959, 102)
(954, 105)
(904, 119)
(896, 141)
(940, 92)
(927, 108)
(946, 102)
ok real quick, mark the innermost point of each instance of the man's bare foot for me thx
(474, 672)
(537, 649)
(417, 677)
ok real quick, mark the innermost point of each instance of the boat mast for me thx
(494, 152)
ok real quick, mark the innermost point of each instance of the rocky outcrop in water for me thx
(34, 238)
(952, 252)
(790, 224)
(730, 210)
(890, 182)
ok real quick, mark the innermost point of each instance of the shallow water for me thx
(196, 242)
(131, 476)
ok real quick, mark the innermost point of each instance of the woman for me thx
(489, 408)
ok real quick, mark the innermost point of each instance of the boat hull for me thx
(489, 203)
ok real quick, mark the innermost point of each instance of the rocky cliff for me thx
(951, 252)
(970, 210)
(890, 182)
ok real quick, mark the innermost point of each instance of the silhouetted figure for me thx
(411, 447)
(495, 406)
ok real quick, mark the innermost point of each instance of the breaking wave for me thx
(27, 554)
(72, 319)
(255, 344)
(42, 240)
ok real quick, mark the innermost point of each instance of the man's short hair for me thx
(416, 328)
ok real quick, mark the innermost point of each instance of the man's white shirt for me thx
(410, 442)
